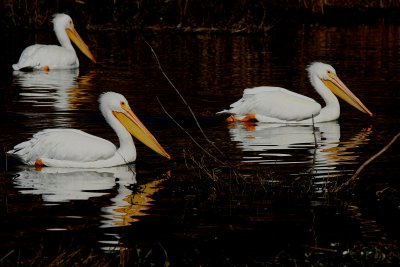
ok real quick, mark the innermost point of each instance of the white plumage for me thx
(47, 57)
(279, 105)
(65, 145)
(75, 148)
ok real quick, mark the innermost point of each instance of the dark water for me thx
(156, 206)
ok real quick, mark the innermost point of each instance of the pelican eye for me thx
(329, 73)
(122, 103)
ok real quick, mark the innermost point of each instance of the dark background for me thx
(196, 15)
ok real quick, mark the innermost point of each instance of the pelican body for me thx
(75, 148)
(46, 57)
(279, 105)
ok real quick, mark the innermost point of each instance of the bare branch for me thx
(184, 101)
(191, 137)
(357, 173)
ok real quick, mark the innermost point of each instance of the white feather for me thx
(278, 105)
(64, 144)
(41, 56)
(55, 57)
(75, 148)
(266, 103)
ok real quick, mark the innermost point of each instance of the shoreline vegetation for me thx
(197, 16)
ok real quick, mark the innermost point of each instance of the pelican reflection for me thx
(58, 185)
(320, 146)
(57, 88)
(128, 206)
(47, 88)
(67, 184)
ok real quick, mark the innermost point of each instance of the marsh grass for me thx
(263, 187)
(236, 16)
(243, 177)
(360, 254)
(66, 256)
(71, 254)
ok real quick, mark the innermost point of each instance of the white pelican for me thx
(275, 104)
(47, 57)
(75, 148)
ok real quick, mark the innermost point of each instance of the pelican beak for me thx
(74, 36)
(135, 127)
(341, 90)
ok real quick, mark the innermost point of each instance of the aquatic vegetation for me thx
(242, 16)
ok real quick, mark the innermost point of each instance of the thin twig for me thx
(190, 136)
(227, 163)
(5, 153)
(315, 144)
(127, 163)
(356, 174)
(184, 101)
(313, 127)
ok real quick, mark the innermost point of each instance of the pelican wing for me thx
(53, 56)
(63, 144)
(276, 103)
(27, 58)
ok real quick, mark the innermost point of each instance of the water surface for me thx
(152, 201)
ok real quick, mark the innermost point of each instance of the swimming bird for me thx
(74, 148)
(47, 57)
(276, 104)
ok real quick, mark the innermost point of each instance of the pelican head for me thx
(327, 75)
(116, 110)
(63, 23)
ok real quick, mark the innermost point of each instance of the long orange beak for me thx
(135, 127)
(341, 90)
(74, 36)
